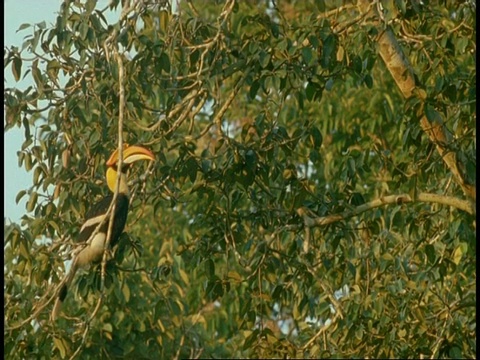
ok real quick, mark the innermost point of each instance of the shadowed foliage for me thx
(301, 204)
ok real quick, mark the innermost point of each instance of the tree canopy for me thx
(313, 193)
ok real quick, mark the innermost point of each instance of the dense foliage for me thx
(275, 125)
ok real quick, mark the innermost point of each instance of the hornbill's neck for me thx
(112, 181)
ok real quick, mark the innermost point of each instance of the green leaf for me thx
(60, 346)
(329, 84)
(90, 5)
(316, 138)
(277, 293)
(191, 168)
(37, 76)
(320, 5)
(432, 115)
(254, 89)
(23, 27)
(329, 51)
(251, 160)
(251, 338)
(210, 268)
(17, 68)
(55, 226)
(264, 58)
(368, 80)
(20, 195)
(84, 26)
(126, 292)
(36, 175)
(107, 327)
(165, 63)
(32, 202)
(307, 55)
(357, 64)
(455, 353)
(402, 6)
(235, 276)
(430, 251)
(459, 252)
(53, 68)
(310, 91)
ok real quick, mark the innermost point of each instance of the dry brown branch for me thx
(322, 330)
(312, 221)
(42, 304)
(172, 113)
(336, 11)
(226, 11)
(186, 111)
(439, 136)
(401, 70)
(396, 62)
(345, 26)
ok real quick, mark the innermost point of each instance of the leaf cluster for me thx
(254, 110)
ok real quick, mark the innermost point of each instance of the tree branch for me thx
(402, 72)
(310, 221)
(323, 328)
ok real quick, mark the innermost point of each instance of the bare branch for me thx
(310, 221)
(402, 72)
(324, 328)
(336, 11)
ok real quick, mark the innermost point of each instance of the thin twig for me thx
(336, 11)
(321, 331)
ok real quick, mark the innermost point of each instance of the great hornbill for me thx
(94, 241)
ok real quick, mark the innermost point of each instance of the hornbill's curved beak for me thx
(130, 155)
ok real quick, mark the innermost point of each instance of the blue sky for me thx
(17, 13)
(16, 179)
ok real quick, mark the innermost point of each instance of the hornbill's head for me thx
(130, 155)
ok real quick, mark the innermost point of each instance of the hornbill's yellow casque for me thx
(92, 251)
